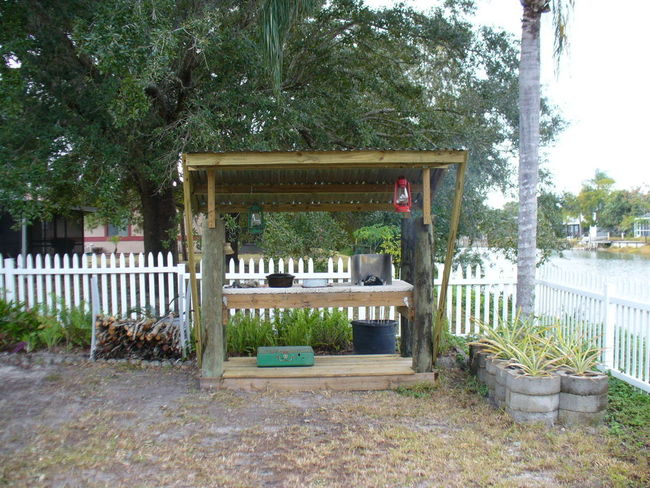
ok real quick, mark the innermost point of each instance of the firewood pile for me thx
(151, 339)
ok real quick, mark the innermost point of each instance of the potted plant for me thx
(583, 396)
(532, 385)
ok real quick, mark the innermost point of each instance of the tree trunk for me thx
(407, 268)
(529, 110)
(159, 220)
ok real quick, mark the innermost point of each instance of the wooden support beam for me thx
(451, 243)
(426, 196)
(310, 207)
(423, 297)
(189, 232)
(308, 189)
(212, 207)
(325, 159)
(407, 269)
(213, 337)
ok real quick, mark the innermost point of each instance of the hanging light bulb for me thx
(402, 195)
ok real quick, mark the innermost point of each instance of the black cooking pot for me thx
(280, 280)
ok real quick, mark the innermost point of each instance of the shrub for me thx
(17, 324)
(248, 332)
(325, 331)
(332, 332)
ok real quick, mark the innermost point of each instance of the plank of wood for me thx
(308, 207)
(298, 189)
(426, 196)
(353, 383)
(327, 159)
(187, 202)
(298, 300)
(212, 200)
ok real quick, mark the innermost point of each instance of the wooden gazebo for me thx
(331, 181)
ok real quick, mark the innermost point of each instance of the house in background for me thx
(108, 238)
(642, 226)
(59, 235)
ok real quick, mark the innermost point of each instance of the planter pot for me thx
(583, 398)
(531, 399)
(374, 336)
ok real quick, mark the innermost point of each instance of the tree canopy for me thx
(99, 98)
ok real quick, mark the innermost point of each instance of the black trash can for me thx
(374, 336)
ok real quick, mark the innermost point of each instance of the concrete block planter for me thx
(490, 377)
(481, 372)
(583, 398)
(531, 399)
(500, 378)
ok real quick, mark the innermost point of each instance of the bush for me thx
(44, 326)
(248, 332)
(17, 324)
(324, 331)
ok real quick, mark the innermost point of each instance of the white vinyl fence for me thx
(614, 314)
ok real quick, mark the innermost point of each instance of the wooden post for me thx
(187, 201)
(212, 206)
(451, 244)
(423, 296)
(426, 196)
(407, 268)
(213, 348)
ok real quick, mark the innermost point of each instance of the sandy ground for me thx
(95, 425)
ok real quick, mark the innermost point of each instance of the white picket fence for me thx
(137, 282)
(614, 314)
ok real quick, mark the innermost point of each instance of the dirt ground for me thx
(96, 425)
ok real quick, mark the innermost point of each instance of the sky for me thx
(602, 88)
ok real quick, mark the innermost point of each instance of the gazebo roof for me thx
(352, 180)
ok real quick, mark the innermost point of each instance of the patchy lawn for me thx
(98, 425)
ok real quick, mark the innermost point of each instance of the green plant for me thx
(332, 332)
(628, 414)
(533, 355)
(419, 390)
(17, 324)
(72, 324)
(295, 327)
(575, 352)
(248, 332)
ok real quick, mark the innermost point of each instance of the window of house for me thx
(114, 230)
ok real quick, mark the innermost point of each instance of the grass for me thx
(628, 415)
(154, 428)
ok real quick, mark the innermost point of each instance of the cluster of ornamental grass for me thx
(539, 349)
(325, 331)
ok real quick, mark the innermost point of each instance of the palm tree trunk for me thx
(529, 110)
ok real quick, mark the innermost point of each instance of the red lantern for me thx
(402, 195)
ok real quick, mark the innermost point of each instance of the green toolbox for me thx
(273, 357)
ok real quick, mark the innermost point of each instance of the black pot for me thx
(374, 336)
(280, 280)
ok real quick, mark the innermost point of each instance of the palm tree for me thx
(277, 17)
(529, 110)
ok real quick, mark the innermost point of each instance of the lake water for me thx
(605, 264)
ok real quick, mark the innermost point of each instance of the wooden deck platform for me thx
(363, 372)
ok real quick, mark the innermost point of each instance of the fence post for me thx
(94, 303)
(609, 310)
(9, 280)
